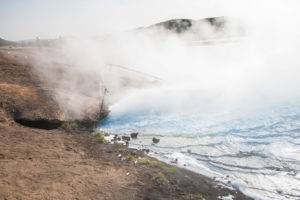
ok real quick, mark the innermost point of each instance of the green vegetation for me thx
(161, 165)
(6, 102)
(75, 124)
(160, 178)
(121, 149)
(69, 124)
(157, 164)
(143, 161)
(168, 170)
(171, 170)
(130, 157)
(100, 137)
(193, 197)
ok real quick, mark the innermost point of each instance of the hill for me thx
(202, 29)
(7, 43)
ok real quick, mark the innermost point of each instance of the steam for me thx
(253, 70)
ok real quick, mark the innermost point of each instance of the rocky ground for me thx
(40, 159)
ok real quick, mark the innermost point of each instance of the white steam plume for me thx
(262, 68)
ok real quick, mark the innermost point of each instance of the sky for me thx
(28, 19)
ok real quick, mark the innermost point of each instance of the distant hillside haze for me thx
(207, 28)
(6, 42)
(186, 29)
(176, 25)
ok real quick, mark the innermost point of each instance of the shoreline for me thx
(55, 162)
(175, 162)
(42, 160)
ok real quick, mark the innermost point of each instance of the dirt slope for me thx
(70, 163)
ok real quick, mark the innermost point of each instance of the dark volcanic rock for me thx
(125, 138)
(134, 135)
(155, 140)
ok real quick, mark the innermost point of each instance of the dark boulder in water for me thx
(134, 135)
(155, 140)
(146, 150)
(126, 138)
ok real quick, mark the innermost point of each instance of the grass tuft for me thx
(143, 161)
(69, 124)
(159, 178)
(193, 197)
(100, 137)
(130, 157)
(74, 124)
(171, 170)
(157, 164)
(161, 165)
(121, 149)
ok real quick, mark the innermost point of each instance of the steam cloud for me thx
(258, 69)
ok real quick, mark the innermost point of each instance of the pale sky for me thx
(27, 19)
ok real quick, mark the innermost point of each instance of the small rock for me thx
(68, 149)
(155, 140)
(146, 150)
(189, 151)
(292, 173)
(175, 161)
(115, 138)
(134, 135)
(125, 138)
(279, 191)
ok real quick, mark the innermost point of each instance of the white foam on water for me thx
(229, 197)
(258, 155)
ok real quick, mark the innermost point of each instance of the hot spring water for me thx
(242, 130)
(256, 153)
